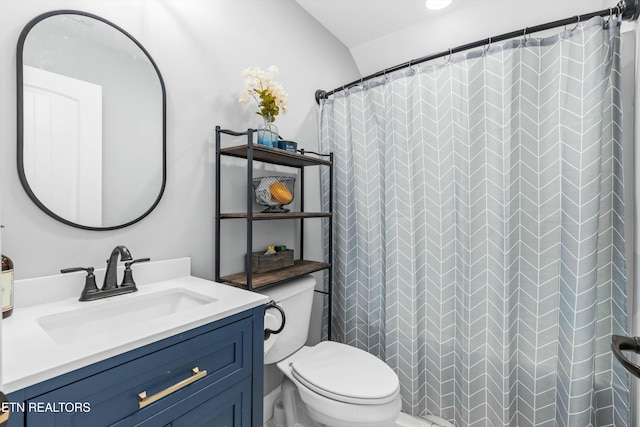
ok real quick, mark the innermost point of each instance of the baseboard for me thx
(269, 400)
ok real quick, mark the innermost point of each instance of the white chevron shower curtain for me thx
(478, 230)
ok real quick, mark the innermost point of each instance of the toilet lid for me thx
(347, 374)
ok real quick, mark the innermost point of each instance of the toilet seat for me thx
(346, 374)
(334, 384)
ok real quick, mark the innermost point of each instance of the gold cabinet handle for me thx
(143, 400)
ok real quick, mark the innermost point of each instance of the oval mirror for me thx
(91, 121)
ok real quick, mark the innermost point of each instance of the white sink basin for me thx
(121, 312)
(51, 333)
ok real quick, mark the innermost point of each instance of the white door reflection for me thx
(64, 168)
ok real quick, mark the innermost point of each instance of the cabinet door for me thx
(112, 395)
(232, 408)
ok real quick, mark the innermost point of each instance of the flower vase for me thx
(268, 133)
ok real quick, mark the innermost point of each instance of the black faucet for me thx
(110, 276)
(110, 286)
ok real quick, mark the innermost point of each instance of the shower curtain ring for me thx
(610, 14)
(577, 23)
(524, 34)
(450, 53)
(487, 46)
(619, 10)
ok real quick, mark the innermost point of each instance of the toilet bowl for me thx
(340, 385)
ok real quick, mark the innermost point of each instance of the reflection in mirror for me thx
(91, 121)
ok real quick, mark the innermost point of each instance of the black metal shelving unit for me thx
(253, 152)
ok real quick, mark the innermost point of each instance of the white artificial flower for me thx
(268, 94)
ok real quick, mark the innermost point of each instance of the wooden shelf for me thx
(284, 215)
(254, 153)
(299, 268)
(274, 155)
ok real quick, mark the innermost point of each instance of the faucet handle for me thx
(128, 264)
(89, 281)
(89, 270)
(127, 280)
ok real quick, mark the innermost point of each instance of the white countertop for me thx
(30, 355)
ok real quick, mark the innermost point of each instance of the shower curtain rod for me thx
(628, 9)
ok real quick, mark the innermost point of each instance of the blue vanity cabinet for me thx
(171, 372)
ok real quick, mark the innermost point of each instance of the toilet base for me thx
(295, 411)
(292, 412)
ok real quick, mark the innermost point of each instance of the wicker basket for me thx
(274, 192)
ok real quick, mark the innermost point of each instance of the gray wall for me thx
(201, 47)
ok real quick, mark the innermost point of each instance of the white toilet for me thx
(340, 385)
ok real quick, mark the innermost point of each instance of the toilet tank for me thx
(295, 298)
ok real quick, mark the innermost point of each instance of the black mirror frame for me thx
(20, 117)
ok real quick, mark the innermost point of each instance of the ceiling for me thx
(383, 33)
(355, 22)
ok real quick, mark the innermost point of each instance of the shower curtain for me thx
(478, 230)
